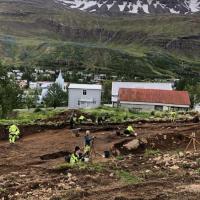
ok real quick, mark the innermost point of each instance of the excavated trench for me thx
(55, 155)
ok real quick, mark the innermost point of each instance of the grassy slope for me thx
(44, 36)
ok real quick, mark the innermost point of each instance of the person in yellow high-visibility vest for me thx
(129, 131)
(75, 156)
(14, 133)
(81, 119)
(173, 116)
(88, 141)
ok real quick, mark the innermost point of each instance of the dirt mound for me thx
(66, 115)
(168, 141)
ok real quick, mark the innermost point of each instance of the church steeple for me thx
(60, 80)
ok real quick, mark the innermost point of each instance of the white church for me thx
(45, 85)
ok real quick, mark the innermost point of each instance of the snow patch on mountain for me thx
(134, 6)
(194, 5)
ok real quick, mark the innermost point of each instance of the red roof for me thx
(154, 96)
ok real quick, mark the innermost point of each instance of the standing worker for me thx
(173, 116)
(14, 133)
(88, 143)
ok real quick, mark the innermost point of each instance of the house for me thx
(153, 99)
(22, 83)
(10, 74)
(44, 84)
(84, 95)
(142, 85)
(99, 77)
(33, 85)
(197, 107)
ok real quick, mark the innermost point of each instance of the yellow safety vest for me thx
(130, 129)
(73, 159)
(81, 117)
(14, 130)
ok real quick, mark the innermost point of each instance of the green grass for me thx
(35, 42)
(95, 167)
(128, 178)
(117, 114)
(151, 152)
(29, 116)
(2, 190)
(120, 157)
(198, 171)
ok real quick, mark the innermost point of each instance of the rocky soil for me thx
(154, 165)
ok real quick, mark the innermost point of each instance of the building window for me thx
(84, 92)
(159, 108)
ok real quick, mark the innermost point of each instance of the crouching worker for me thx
(87, 143)
(130, 131)
(76, 157)
(81, 119)
(14, 133)
(173, 116)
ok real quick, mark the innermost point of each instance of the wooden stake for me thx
(193, 140)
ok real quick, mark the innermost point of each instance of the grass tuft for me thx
(127, 177)
(151, 152)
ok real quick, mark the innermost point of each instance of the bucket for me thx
(106, 154)
(86, 159)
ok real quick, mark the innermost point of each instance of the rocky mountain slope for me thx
(134, 6)
(44, 33)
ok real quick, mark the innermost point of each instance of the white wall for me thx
(143, 107)
(151, 106)
(75, 95)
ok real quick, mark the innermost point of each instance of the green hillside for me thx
(43, 34)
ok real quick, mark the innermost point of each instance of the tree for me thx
(10, 94)
(55, 97)
(27, 75)
(31, 99)
(193, 87)
(107, 91)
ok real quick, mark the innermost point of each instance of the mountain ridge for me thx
(43, 33)
(134, 6)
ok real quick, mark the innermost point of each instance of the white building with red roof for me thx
(153, 99)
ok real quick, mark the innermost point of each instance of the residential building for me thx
(22, 83)
(84, 95)
(33, 85)
(142, 85)
(153, 99)
(197, 107)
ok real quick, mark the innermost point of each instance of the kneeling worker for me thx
(81, 119)
(76, 156)
(13, 133)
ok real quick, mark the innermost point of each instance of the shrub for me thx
(37, 109)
